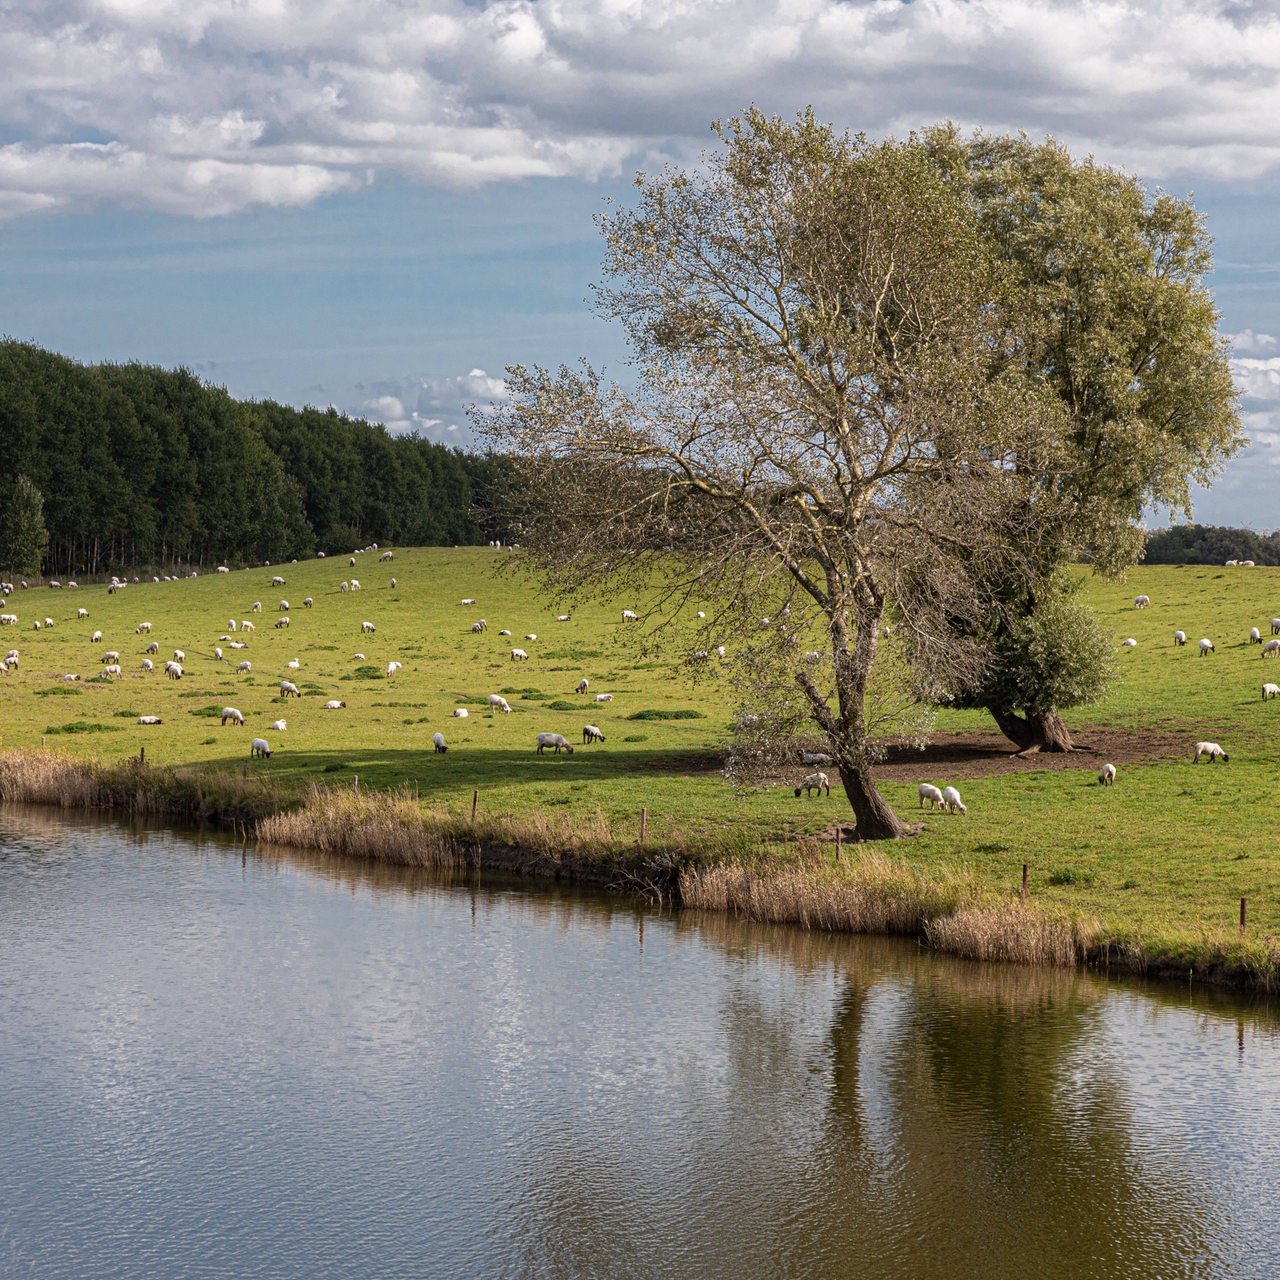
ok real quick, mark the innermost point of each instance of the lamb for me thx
(1275, 626)
(468, 600)
(556, 740)
(1210, 749)
(334, 705)
(143, 628)
(307, 602)
(351, 560)
(1271, 647)
(479, 626)
(279, 726)
(179, 656)
(1270, 691)
(563, 617)
(355, 584)
(1179, 637)
(1130, 643)
(257, 607)
(284, 607)
(246, 665)
(282, 622)
(217, 652)
(590, 733)
(344, 586)
(247, 626)
(277, 581)
(1141, 602)
(233, 714)
(1206, 647)
(518, 653)
(112, 669)
(1255, 636)
(48, 622)
(96, 638)
(393, 584)
(173, 670)
(111, 655)
(393, 667)
(498, 703)
(630, 615)
(583, 684)
(222, 568)
(231, 624)
(816, 758)
(603, 697)
(238, 644)
(148, 665)
(386, 555)
(1108, 775)
(531, 635)
(951, 801)
(260, 747)
(293, 664)
(150, 720)
(367, 628)
(437, 740)
(927, 791)
(289, 690)
(358, 657)
(80, 613)
(504, 632)
(460, 713)
(812, 782)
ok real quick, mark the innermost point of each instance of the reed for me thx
(48, 777)
(1011, 931)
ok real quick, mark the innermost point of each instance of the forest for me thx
(1210, 544)
(140, 467)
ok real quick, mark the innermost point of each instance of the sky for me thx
(379, 204)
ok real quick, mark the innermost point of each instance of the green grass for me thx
(1165, 854)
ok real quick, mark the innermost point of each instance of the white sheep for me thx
(148, 665)
(518, 653)
(231, 624)
(307, 602)
(259, 747)
(468, 600)
(279, 726)
(153, 647)
(1275, 626)
(334, 705)
(460, 713)
(112, 669)
(284, 607)
(951, 801)
(222, 568)
(1270, 648)
(247, 626)
(1141, 602)
(173, 670)
(289, 690)
(700, 614)
(1270, 691)
(80, 613)
(556, 740)
(282, 622)
(143, 628)
(257, 607)
(591, 733)
(531, 635)
(344, 586)
(351, 560)
(244, 665)
(1179, 637)
(583, 685)
(1255, 636)
(563, 617)
(393, 583)
(603, 697)
(277, 581)
(819, 759)
(630, 615)
(1108, 775)
(1210, 749)
(355, 584)
(392, 667)
(927, 791)
(367, 628)
(437, 740)
(812, 782)
(233, 714)
(498, 703)
(504, 632)
(150, 720)
(386, 555)
(238, 644)
(358, 657)
(96, 638)
(111, 655)
(479, 626)
(179, 656)
(1206, 647)
(1130, 643)
(293, 664)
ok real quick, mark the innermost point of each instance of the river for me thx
(218, 1062)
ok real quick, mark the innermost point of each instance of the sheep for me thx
(531, 635)
(238, 644)
(179, 656)
(257, 607)
(630, 615)
(289, 690)
(393, 584)
(701, 614)
(358, 657)
(150, 720)
(244, 665)
(344, 586)
(293, 664)
(1108, 775)
(498, 703)
(1141, 602)
(1210, 749)
(563, 617)
(35, 626)
(591, 733)
(282, 622)
(556, 740)
(352, 561)
(277, 581)
(603, 697)
(437, 740)
(96, 638)
(279, 726)
(173, 670)
(217, 652)
(1270, 691)
(284, 607)
(1255, 636)
(818, 759)
(148, 665)
(460, 713)
(951, 801)
(112, 669)
(583, 685)
(393, 667)
(247, 626)
(1246, 564)
(355, 584)
(812, 782)
(334, 705)
(468, 600)
(386, 555)
(233, 714)
(222, 568)
(260, 747)
(504, 632)
(231, 624)
(479, 626)
(1130, 643)
(307, 602)
(1206, 647)
(143, 628)
(1179, 638)
(367, 628)
(48, 622)
(80, 613)
(1271, 647)
(518, 653)
(111, 655)
(927, 791)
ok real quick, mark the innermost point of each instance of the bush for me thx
(685, 714)
(82, 726)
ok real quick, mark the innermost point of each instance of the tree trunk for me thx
(874, 817)
(1036, 731)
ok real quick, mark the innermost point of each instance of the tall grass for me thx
(1013, 932)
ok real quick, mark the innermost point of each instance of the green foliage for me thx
(1210, 544)
(23, 536)
(682, 714)
(82, 726)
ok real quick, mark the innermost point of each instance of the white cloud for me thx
(436, 408)
(1249, 343)
(282, 101)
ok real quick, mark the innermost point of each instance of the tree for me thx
(23, 536)
(1117, 320)
(820, 430)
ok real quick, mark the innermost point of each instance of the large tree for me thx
(1117, 320)
(23, 536)
(820, 430)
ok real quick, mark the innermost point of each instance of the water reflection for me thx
(226, 1063)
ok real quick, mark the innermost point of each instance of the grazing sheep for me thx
(111, 655)
(150, 720)
(630, 615)
(1141, 602)
(344, 586)
(603, 697)
(518, 653)
(293, 664)
(1206, 647)
(257, 607)
(1270, 691)
(504, 632)
(393, 667)
(583, 684)
(386, 555)
(112, 669)
(35, 626)
(148, 665)
(367, 628)
(358, 657)
(951, 801)
(289, 690)
(1255, 636)
(531, 635)
(590, 733)
(334, 705)
(245, 665)
(1210, 749)
(1130, 643)
(277, 581)
(284, 607)
(812, 782)
(927, 791)
(1271, 647)
(231, 624)
(498, 703)
(247, 626)
(1179, 637)
(1275, 626)
(355, 584)
(233, 714)
(80, 613)
(48, 622)
(279, 726)
(352, 561)
(173, 670)
(460, 713)
(393, 583)
(179, 656)
(282, 622)
(437, 740)
(96, 638)
(1108, 775)
(143, 628)
(556, 740)
(479, 626)
(307, 602)
(819, 759)
(222, 568)
(153, 647)
(259, 747)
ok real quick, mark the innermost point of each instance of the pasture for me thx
(1162, 857)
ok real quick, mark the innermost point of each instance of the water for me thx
(219, 1064)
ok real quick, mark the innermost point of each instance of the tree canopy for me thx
(23, 536)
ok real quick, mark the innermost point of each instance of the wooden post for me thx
(644, 823)
(142, 756)
(355, 783)
(244, 769)
(839, 839)
(1244, 907)
(1024, 882)
(475, 801)
(42, 742)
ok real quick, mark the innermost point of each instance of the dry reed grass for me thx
(48, 777)
(1014, 932)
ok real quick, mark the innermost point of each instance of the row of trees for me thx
(885, 392)
(142, 466)
(1211, 544)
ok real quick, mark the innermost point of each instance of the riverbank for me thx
(806, 882)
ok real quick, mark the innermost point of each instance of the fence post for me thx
(1244, 907)
(839, 839)
(644, 823)
(142, 756)
(1024, 882)
(355, 783)
(475, 800)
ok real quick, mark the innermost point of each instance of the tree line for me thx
(138, 466)
(1211, 544)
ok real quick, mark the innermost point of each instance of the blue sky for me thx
(377, 204)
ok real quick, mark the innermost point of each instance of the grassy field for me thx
(1163, 857)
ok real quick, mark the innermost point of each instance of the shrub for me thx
(683, 714)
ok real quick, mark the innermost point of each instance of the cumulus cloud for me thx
(435, 408)
(211, 106)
